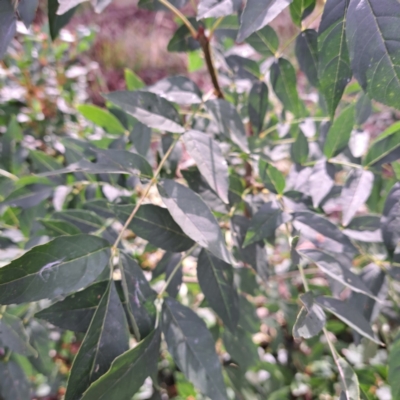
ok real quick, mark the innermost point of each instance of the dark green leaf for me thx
(99, 207)
(394, 368)
(265, 41)
(182, 40)
(334, 268)
(194, 217)
(243, 68)
(307, 53)
(149, 109)
(177, 89)
(27, 11)
(175, 156)
(14, 384)
(192, 347)
(265, 222)
(241, 348)
(345, 312)
(209, 159)
(339, 133)
(299, 149)
(272, 178)
(101, 118)
(363, 109)
(85, 221)
(323, 233)
(283, 81)
(75, 312)
(106, 339)
(156, 225)
(355, 193)
(128, 371)
(334, 62)
(301, 9)
(371, 28)
(215, 280)
(140, 137)
(28, 196)
(216, 8)
(258, 105)
(141, 296)
(228, 121)
(390, 219)
(57, 22)
(385, 148)
(13, 335)
(311, 318)
(257, 14)
(7, 25)
(64, 265)
(365, 228)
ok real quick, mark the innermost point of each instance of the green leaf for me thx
(209, 159)
(59, 228)
(299, 149)
(75, 312)
(348, 380)
(322, 232)
(64, 265)
(363, 109)
(140, 295)
(334, 268)
(149, 109)
(365, 228)
(192, 348)
(334, 62)
(194, 217)
(14, 384)
(241, 348)
(385, 148)
(215, 280)
(133, 82)
(272, 178)
(265, 222)
(355, 193)
(243, 68)
(128, 371)
(7, 25)
(339, 133)
(106, 339)
(350, 316)
(110, 162)
(13, 335)
(394, 368)
(57, 22)
(301, 9)
(156, 225)
(283, 81)
(307, 54)
(43, 162)
(182, 41)
(140, 137)
(28, 196)
(311, 318)
(258, 105)
(216, 8)
(27, 11)
(321, 181)
(177, 89)
(265, 41)
(102, 118)
(371, 27)
(257, 14)
(228, 122)
(390, 219)
(86, 221)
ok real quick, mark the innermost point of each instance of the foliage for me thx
(162, 246)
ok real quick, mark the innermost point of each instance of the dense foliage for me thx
(241, 243)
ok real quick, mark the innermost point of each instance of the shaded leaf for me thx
(371, 27)
(265, 41)
(307, 53)
(59, 228)
(243, 68)
(128, 371)
(14, 384)
(107, 338)
(299, 149)
(257, 14)
(363, 108)
(301, 9)
(355, 193)
(216, 281)
(140, 137)
(339, 133)
(258, 105)
(156, 225)
(27, 11)
(57, 22)
(394, 368)
(283, 81)
(86, 221)
(7, 25)
(150, 109)
(350, 316)
(390, 219)
(64, 265)
(192, 348)
(228, 121)
(194, 217)
(210, 161)
(334, 62)
(28, 196)
(182, 40)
